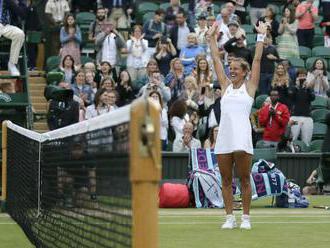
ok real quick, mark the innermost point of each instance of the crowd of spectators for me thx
(167, 58)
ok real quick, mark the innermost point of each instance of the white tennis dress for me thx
(235, 132)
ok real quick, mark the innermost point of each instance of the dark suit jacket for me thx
(174, 35)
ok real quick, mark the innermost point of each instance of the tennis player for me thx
(234, 140)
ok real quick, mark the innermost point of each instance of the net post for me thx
(4, 164)
(145, 172)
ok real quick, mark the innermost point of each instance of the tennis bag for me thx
(174, 196)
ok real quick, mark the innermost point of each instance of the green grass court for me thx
(190, 228)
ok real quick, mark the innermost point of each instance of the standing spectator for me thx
(281, 82)
(287, 41)
(257, 9)
(240, 10)
(120, 12)
(55, 12)
(96, 26)
(227, 13)
(8, 9)
(188, 53)
(274, 117)
(125, 89)
(185, 142)
(138, 54)
(32, 23)
(70, 37)
(178, 116)
(171, 12)
(67, 67)
(178, 34)
(317, 78)
(204, 7)
(272, 23)
(301, 96)
(306, 14)
(237, 46)
(109, 44)
(268, 59)
(105, 71)
(165, 52)
(175, 79)
(292, 4)
(100, 105)
(154, 29)
(155, 95)
(81, 89)
(223, 17)
(203, 74)
(325, 23)
(201, 31)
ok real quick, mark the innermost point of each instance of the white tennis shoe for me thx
(245, 222)
(230, 222)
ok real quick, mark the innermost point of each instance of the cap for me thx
(235, 23)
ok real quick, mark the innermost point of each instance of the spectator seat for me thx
(52, 63)
(319, 103)
(305, 52)
(316, 145)
(319, 115)
(319, 130)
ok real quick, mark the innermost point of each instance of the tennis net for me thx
(72, 187)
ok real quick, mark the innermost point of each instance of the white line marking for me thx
(252, 215)
(253, 222)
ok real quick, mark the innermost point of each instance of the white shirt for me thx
(235, 132)
(183, 32)
(163, 124)
(179, 146)
(57, 9)
(92, 112)
(138, 55)
(109, 50)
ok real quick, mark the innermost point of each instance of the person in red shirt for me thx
(274, 118)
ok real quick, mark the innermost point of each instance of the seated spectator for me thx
(70, 37)
(268, 59)
(203, 74)
(175, 79)
(106, 70)
(90, 81)
(138, 54)
(274, 118)
(81, 89)
(288, 46)
(67, 67)
(179, 32)
(281, 82)
(154, 29)
(112, 99)
(317, 78)
(109, 44)
(125, 89)
(100, 105)
(188, 53)
(165, 52)
(302, 96)
(213, 112)
(89, 66)
(55, 11)
(290, 68)
(201, 31)
(190, 93)
(156, 83)
(185, 142)
(155, 95)
(96, 26)
(152, 67)
(108, 83)
(236, 45)
(272, 23)
(210, 142)
(257, 129)
(171, 13)
(8, 10)
(306, 14)
(178, 117)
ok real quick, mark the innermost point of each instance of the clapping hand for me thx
(212, 32)
(261, 28)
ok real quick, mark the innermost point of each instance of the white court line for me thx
(252, 216)
(253, 222)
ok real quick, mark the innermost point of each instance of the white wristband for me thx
(261, 37)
